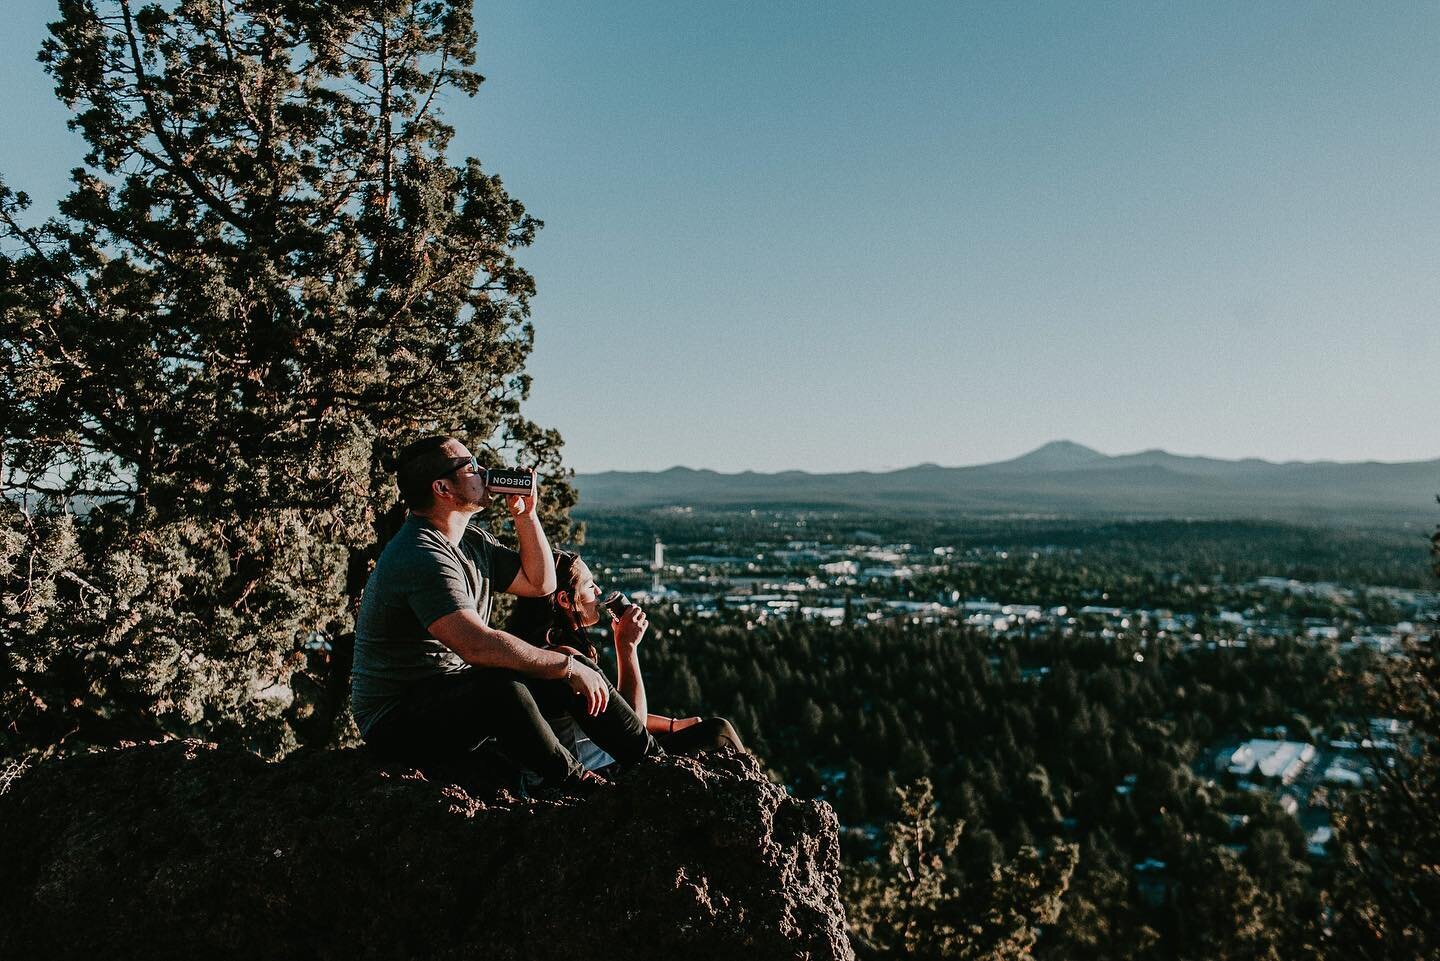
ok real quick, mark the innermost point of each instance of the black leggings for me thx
(441, 720)
(709, 735)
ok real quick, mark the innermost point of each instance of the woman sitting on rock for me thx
(562, 621)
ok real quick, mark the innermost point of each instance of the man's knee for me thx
(497, 680)
(508, 692)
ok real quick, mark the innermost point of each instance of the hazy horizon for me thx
(1059, 441)
(864, 238)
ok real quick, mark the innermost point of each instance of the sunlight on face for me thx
(586, 597)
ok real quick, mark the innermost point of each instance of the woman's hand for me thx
(630, 628)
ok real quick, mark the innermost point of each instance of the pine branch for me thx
(227, 41)
(26, 235)
(440, 79)
(178, 166)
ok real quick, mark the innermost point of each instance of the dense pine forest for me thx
(1024, 760)
(1047, 747)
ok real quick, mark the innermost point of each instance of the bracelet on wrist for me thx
(569, 667)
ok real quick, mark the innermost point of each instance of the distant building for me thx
(1343, 776)
(880, 573)
(1379, 643)
(835, 616)
(1319, 840)
(1386, 727)
(1277, 760)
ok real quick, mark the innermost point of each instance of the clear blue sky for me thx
(839, 235)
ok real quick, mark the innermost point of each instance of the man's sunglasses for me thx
(470, 462)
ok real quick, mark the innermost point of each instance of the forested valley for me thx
(969, 758)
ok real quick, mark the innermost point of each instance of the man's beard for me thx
(469, 504)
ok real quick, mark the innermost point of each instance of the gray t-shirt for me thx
(419, 578)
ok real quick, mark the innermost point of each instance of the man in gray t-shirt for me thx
(420, 578)
(431, 677)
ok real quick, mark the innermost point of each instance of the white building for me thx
(1282, 760)
(1343, 776)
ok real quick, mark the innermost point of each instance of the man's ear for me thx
(439, 488)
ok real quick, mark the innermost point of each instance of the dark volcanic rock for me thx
(188, 850)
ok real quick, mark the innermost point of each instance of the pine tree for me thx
(916, 905)
(1387, 885)
(853, 806)
(686, 690)
(1227, 915)
(1387, 890)
(266, 276)
(1100, 920)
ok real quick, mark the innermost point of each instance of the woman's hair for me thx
(542, 621)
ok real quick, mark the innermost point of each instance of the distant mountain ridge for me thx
(1056, 455)
(1061, 477)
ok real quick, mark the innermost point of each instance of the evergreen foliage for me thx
(266, 276)
(1107, 754)
(1040, 739)
(920, 902)
(1387, 895)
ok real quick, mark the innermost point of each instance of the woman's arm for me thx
(629, 630)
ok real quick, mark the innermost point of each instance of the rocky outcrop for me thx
(185, 849)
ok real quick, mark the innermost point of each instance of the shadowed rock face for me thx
(187, 850)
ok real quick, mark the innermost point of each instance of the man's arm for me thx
(536, 577)
(483, 646)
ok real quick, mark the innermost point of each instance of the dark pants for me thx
(709, 735)
(440, 721)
